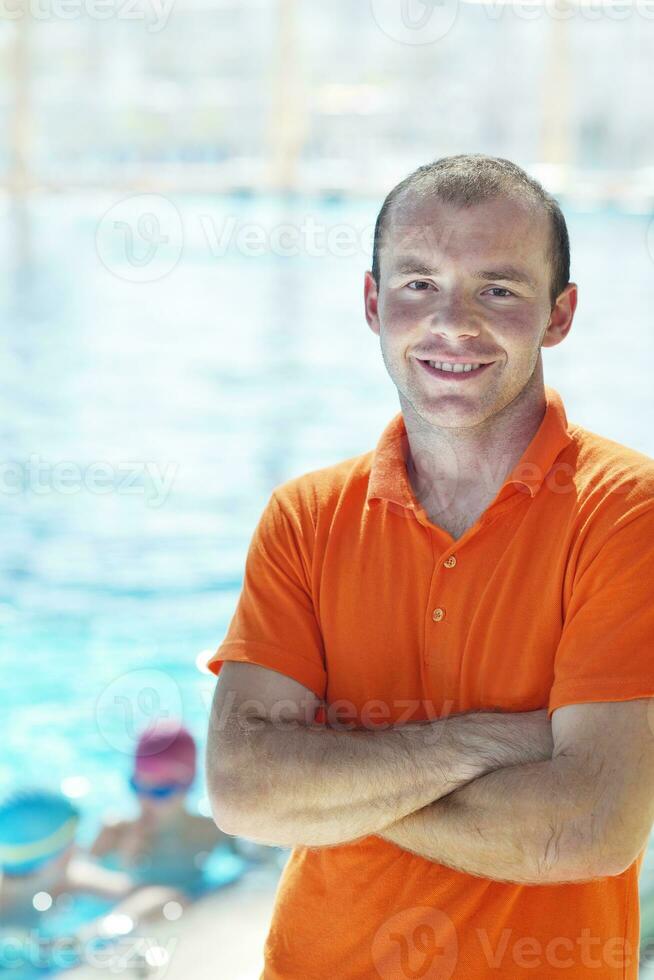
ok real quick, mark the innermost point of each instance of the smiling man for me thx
(439, 678)
(467, 298)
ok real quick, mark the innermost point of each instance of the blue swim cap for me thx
(35, 826)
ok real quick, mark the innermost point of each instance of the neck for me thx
(451, 467)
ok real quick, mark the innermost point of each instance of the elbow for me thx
(232, 806)
(243, 800)
(225, 815)
(240, 816)
(619, 859)
(236, 803)
(613, 856)
(573, 857)
(239, 812)
(225, 790)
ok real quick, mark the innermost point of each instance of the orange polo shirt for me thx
(546, 600)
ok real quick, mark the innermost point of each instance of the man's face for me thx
(464, 283)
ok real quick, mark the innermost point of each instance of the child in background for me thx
(38, 855)
(50, 890)
(166, 844)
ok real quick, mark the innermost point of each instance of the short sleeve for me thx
(606, 650)
(275, 623)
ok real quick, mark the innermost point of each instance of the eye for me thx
(500, 289)
(419, 282)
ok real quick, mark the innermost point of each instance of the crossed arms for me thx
(506, 796)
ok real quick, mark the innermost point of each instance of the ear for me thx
(370, 299)
(561, 316)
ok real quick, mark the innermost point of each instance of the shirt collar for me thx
(388, 473)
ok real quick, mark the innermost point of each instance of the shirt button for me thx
(450, 562)
(438, 614)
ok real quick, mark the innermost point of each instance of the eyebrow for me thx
(509, 273)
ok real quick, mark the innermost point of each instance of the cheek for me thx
(399, 327)
(395, 307)
(393, 345)
(405, 311)
(516, 330)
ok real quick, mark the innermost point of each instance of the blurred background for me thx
(188, 192)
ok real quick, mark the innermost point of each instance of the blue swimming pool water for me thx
(232, 373)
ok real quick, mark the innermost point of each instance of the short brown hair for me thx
(470, 178)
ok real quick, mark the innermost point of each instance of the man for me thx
(439, 678)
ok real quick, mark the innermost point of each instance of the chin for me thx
(443, 412)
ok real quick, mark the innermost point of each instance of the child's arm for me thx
(84, 874)
(107, 839)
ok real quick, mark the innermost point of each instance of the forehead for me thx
(500, 228)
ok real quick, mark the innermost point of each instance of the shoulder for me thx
(605, 468)
(313, 497)
(611, 488)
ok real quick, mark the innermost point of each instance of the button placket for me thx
(438, 614)
(435, 637)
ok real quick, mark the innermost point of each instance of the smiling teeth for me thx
(455, 368)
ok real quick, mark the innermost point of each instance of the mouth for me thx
(447, 371)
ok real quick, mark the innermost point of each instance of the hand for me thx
(495, 739)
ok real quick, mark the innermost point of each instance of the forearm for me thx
(315, 786)
(527, 824)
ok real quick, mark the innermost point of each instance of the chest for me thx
(456, 525)
(457, 520)
(447, 625)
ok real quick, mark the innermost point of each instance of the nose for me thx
(454, 318)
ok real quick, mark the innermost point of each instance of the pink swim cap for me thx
(166, 752)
